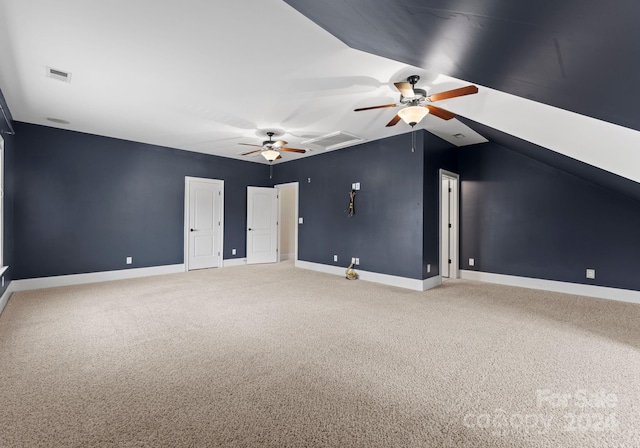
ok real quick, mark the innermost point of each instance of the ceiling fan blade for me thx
(250, 152)
(405, 89)
(301, 151)
(462, 91)
(440, 113)
(394, 121)
(375, 107)
(279, 143)
(249, 144)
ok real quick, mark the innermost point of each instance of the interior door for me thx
(262, 225)
(445, 225)
(204, 224)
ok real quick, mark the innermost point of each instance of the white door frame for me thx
(270, 256)
(220, 183)
(296, 187)
(454, 271)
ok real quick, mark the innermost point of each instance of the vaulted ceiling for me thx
(204, 76)
(578, 55)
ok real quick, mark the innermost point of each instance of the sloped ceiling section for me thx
(578, 55)
(559, 161)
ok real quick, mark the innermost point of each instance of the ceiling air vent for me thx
(334, 140)
(58, 74)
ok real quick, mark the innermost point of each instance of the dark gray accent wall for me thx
(525, 218)
(83, 203)
(387, 232)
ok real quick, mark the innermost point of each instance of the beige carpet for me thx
(273, 356)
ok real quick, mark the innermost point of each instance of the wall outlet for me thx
(300, 220)
(591, 273)
(233, 251)
(129, 260)
(472, 262)
(428, 268)
(335, 258)
(357, 261)
(308, 180)
(357, 185)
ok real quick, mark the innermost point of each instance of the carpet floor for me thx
(274, 356)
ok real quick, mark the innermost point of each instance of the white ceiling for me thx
(197, 75)
(204, 75)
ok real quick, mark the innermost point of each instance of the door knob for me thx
(193, 230)
(249, 228)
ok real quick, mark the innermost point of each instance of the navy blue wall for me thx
(522, 217)
(387, 232)
(84, 202)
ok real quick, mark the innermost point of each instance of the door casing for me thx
(187, 205)
(454, 267)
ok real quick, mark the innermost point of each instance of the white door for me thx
(204, 223)
(449, 225)
(262, 225)
(445, 225)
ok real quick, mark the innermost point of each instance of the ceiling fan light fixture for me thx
(270, 154)
(412, 115)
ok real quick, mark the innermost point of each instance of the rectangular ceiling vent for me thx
(334, 140)
(60, 75)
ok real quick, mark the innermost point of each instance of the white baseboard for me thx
(93, 277)
(6, 296)
(284, 257)
(234, 262)
(601, 292)
(431, 282)
(391, 280)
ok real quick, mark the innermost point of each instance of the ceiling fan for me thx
(270, 150)
(416, 102)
